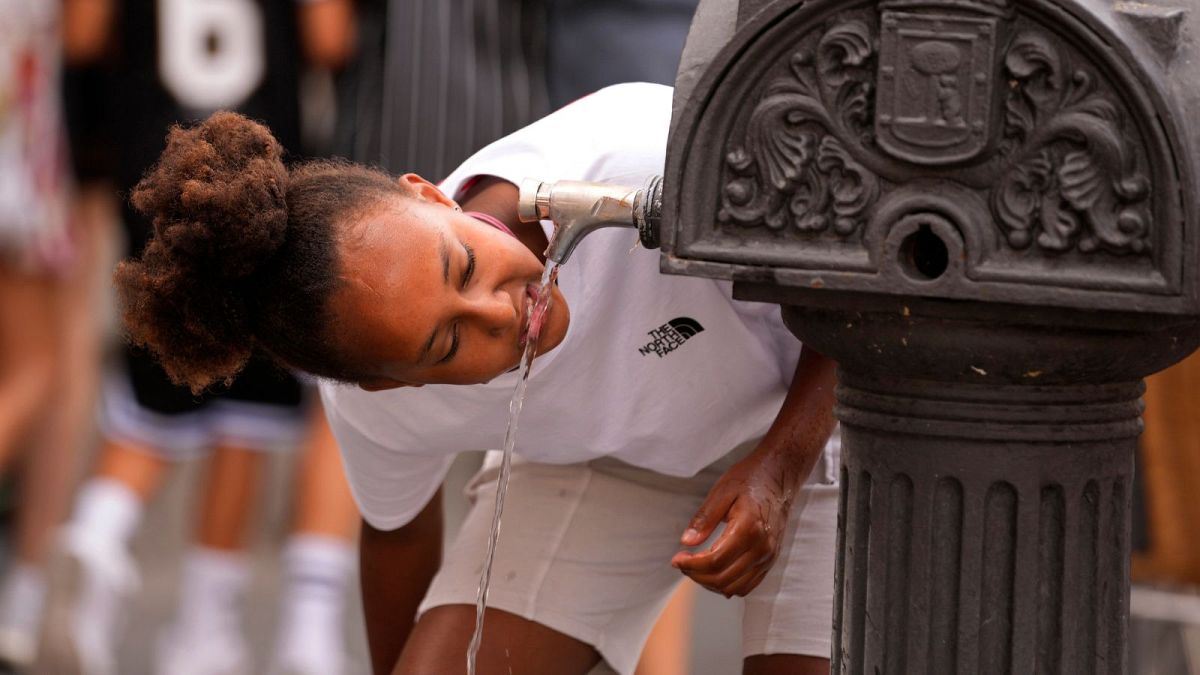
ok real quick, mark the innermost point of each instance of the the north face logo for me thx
(670, 336)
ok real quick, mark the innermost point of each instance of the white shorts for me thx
(585, 549)
(252, 425)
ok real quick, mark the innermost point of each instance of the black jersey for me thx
(178, 61)
(181, 60)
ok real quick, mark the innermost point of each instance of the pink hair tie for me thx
(490, 220)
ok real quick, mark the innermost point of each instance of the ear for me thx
(383, 384)
(425, 191)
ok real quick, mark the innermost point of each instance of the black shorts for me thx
(264, 408)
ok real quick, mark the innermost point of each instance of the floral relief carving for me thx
(1065, 173)
(1073, 181)
(790, 168)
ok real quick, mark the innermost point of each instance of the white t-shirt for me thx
(663, 372)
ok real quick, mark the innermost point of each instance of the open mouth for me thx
(532, 319)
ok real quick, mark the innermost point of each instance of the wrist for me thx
(789, 462)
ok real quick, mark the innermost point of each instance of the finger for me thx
(710, 514)
(741, 569)
(736, 540)
(743, 587)
(746, 531)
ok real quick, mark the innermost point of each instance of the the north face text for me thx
(670, 336)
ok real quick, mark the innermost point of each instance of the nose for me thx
(493, 311)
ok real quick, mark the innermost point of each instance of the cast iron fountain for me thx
(985, 211)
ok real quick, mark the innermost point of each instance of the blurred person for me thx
(178, 60)
(51, 242)
(205, 635)
(33, 214)
(319, 558)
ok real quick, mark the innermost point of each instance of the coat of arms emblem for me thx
(937, 79)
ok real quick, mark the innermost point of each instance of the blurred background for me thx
(147, 530)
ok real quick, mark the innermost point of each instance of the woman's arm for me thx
(755, 495)
(396, 567)
(87, 27)
(327, 32)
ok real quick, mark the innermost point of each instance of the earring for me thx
(458, 208)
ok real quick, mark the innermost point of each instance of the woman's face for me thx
(433, 296)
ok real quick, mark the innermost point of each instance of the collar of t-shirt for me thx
(490, 220)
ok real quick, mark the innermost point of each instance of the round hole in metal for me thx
(923, 254)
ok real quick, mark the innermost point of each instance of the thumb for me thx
(710, 514)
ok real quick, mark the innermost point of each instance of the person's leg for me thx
(48, 441)
(666, 650)
(324, 505)
(259, 413)
(438, 644)
(95, 574)
(27, 358)
(206, 634)
(785, 664)
(318, 560)
(230, 491)
(50, 464)
(139, 469)
(582, 570)
(50, 459)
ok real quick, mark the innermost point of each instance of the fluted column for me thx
(983, 529)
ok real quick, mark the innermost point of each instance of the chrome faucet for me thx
(579, 208)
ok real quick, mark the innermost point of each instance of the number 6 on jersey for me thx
(212, 52)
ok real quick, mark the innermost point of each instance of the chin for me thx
(555, 328)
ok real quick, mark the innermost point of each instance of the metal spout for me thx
(579, 208)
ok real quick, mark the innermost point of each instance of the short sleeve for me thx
(390, 487)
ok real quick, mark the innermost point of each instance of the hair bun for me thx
(217, 196)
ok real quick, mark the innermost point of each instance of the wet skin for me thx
(433, 296)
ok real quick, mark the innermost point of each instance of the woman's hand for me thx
(754, 498)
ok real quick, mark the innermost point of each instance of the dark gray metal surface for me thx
(1026, 140)
(985, 211)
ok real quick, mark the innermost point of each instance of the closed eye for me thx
(470, 271)
(466, 278)
(453, 347)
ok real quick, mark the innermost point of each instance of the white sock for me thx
(22, 597)
(211, 590)
(107, 509)
(310, 627)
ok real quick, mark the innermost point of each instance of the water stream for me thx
(533, 325)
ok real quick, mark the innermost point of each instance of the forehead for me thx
(392, 277)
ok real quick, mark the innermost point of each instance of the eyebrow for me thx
(444, 252)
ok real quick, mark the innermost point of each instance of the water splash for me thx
(534, 317)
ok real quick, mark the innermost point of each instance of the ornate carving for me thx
(1063, 174)
(792, 169)
(1074, 180)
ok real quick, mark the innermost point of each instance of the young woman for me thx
(650, 391)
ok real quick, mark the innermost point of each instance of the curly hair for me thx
(243, 257)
